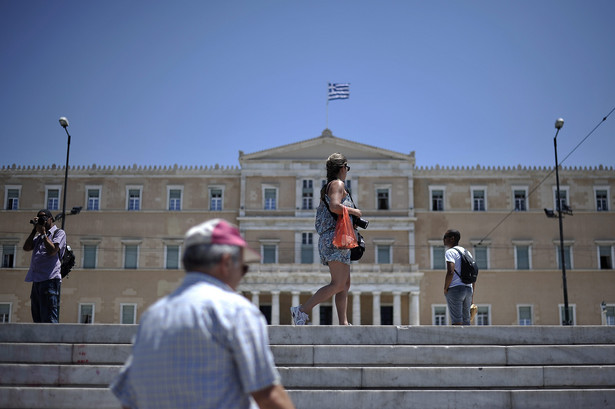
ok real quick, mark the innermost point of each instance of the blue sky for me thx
(193, 82)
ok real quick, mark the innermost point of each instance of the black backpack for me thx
(67, 259)
(469, 269)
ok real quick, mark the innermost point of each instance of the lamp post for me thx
(64, 123)
(558, 125)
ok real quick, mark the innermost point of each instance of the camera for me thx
(360, 222)
(39, 220)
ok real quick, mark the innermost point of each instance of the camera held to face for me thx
(360, 222)
(41, 220)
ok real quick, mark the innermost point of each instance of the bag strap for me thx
(326, 204)
(461, 259)
(60, 253)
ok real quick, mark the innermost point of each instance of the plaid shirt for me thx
(202, 346)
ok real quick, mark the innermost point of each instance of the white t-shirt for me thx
(454, 257)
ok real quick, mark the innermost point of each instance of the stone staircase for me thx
(332, 367)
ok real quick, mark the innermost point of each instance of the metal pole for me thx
(65, 179)
(561, 235)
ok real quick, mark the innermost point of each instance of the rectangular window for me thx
(386, 315)
(93, 199)
(175, 199)
(89, 256)
(383, 254)
(602, 200)
(563, 202)
(86, 313)
(270, 195)
(520, 200)
(437, 258)
(605, 257)
(326, 315)
(567, 257)
(610, 315)
(307, 248)
(437, 200)
(8, 255)
(307, 195)
(128, 313)
(481, 256)
(439, 315)
(382, 199)
(172, 257)
(12, 199)
(524, 313)
(131, 256)
(571, 314)
(478, 200)
(483, 315)
(269, 253)
(215, 199)
(5, 312)
(134, 199)
(53, 199)
(522, 257)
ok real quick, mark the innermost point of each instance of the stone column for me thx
(335, 319)
(315, 315)
(376, 308)
(295, 299)
(255, 298)
(356, 308)
(396, 307)
(275, 308)
(414, 308)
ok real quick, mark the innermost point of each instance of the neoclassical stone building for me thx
(128, 235)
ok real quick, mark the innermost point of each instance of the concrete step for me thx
(89, 398)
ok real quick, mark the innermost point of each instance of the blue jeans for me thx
(459, 300)
(45, 301)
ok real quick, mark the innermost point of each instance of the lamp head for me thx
(64, 122)
(559, 122)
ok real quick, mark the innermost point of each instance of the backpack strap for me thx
(62, 251)
(461, 257)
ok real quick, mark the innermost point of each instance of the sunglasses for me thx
(347, 167)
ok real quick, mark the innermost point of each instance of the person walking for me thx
(459, 296)
(204, 345)
(333, 198)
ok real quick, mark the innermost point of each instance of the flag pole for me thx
(327, 122)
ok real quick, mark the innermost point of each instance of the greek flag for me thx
(339, 91)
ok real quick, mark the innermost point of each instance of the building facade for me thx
(128, 236)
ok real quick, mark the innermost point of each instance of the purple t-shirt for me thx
(44, 266)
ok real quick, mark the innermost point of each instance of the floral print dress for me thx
(325, 227)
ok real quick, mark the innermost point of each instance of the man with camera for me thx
(46, 242)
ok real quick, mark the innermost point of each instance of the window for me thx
(89, 255)
(383, 254)
(567, 257)
(175, 197)
(326, 314)
(386, 315)
(437, 198)
(439, 314)
(307, 248)
(524, 314)
(266, 310)
(92, 198)
(609, 315)
(571, 314)
(171, 257)
(269, 253)
(128, 313)
(5, 312)
(522, 257)
(483, 315)
(8, 255)
(52, 197)
(216, 196)
(481, 256)
(270, 195)
(86, 313)
(602, 199)
(133, 198)
(520, 199)
(12, 197)
(478, 199)
(605, 257)
(131, 256)
(563, 197)
(307, 195)
(437, 258)
(382, 198)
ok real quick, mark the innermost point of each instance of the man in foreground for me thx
(204, 345)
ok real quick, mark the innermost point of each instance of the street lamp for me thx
(64, 124)
(560, 209)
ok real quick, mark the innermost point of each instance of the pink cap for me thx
(219, 231)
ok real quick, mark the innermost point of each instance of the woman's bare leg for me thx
(339, 285)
